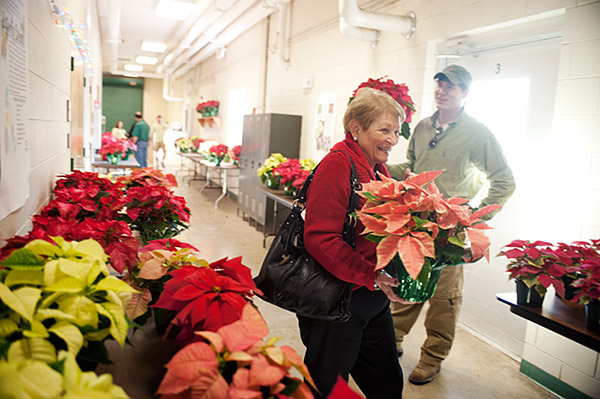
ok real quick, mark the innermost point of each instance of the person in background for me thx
(470, 154)
(118, 131)
(363, 346)
(157, 136)
(140, 136)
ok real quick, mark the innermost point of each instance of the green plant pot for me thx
(273, 182)
(113, 159)
(290, 190)
(528, 296)
(414, 290)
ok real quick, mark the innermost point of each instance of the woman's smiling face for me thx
(377, 140)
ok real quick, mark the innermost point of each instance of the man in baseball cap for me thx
(469, 154)
(457, 75)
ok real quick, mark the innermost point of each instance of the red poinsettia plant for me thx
(398, 92)
(233, 362)
(84, 206)
(587, 271)
(537, 264)
(207, 104)
(207, 298)
(234, 153)
(151, 206)
(114, 146)
(418, 224)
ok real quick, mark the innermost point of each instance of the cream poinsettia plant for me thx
(34, 379)
(412, 219)
(60, 296)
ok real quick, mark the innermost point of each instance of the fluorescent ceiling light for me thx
(133, 68)
(153, 47)
(142, 59)
(174, 9)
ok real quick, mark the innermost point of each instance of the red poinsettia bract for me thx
(234, 363)
(408, 218)
(204, 299)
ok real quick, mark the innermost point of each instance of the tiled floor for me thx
(474, 369)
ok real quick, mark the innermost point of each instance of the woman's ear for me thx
(354, 127)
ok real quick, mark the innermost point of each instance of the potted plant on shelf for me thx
(420, 232)
(534, 266)
(208, 108)
(398, 92)
(114, 149)
(587, 284)
(266, 173)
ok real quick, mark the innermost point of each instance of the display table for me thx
(562, 317)
(223, 173)
(279, 198)
(99, 163)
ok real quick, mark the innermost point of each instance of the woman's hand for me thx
(386, 283)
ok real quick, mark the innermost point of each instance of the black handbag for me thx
(292, 279)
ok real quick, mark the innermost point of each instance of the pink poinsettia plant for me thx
(234, 362)
(234, 153)
(398, 92)
(114, 146)
(420, 226)
(207, 298)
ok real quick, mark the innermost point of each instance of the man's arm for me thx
(397, 171)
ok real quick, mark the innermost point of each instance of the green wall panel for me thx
(121, 98)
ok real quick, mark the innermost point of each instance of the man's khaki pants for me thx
(441, 318)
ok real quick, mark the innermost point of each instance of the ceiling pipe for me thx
(352, 14)
(219, 21)
(356, 33)
(283, 6)
(249, 19)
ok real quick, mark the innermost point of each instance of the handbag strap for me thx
(350, 221)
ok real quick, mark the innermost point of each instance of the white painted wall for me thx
(49, 51)
(317, 50)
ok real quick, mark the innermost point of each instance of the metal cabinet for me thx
(264, 134)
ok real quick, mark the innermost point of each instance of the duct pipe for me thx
(356, 33)
(219, 21)
(353, 15)
(283, 6)
(249, 19)
(166, 96)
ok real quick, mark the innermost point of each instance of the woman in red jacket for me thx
(364, 346)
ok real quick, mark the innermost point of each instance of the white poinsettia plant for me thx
(59, 296)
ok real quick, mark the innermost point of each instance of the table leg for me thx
(224, 185)
(207, 180)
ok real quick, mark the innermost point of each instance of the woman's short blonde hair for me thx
(367, 105)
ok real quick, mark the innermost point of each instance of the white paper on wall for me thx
(14, 140)
(324, 125)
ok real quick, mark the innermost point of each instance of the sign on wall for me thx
(14, 140)
(324, 125)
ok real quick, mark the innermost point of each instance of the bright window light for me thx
(133, 68)
(174, 9)
(142, 59)
(153, 47)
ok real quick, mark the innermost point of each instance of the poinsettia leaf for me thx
(31, 348)
(23, 300)
(426, 242)
(372, 224)
(262, 373)
(138, 304)
(480, 243)
(25, 258)
(191, 361)
(412, 255)
(556, 270)
(423, 178)
(70, 334)
(341, 390)
(118, 323)
(386, 250)
(545, 280)
(152, 269)
(215, 339)
(112, 283)
(484, 211)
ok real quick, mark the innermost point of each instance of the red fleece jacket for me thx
(327, 200)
